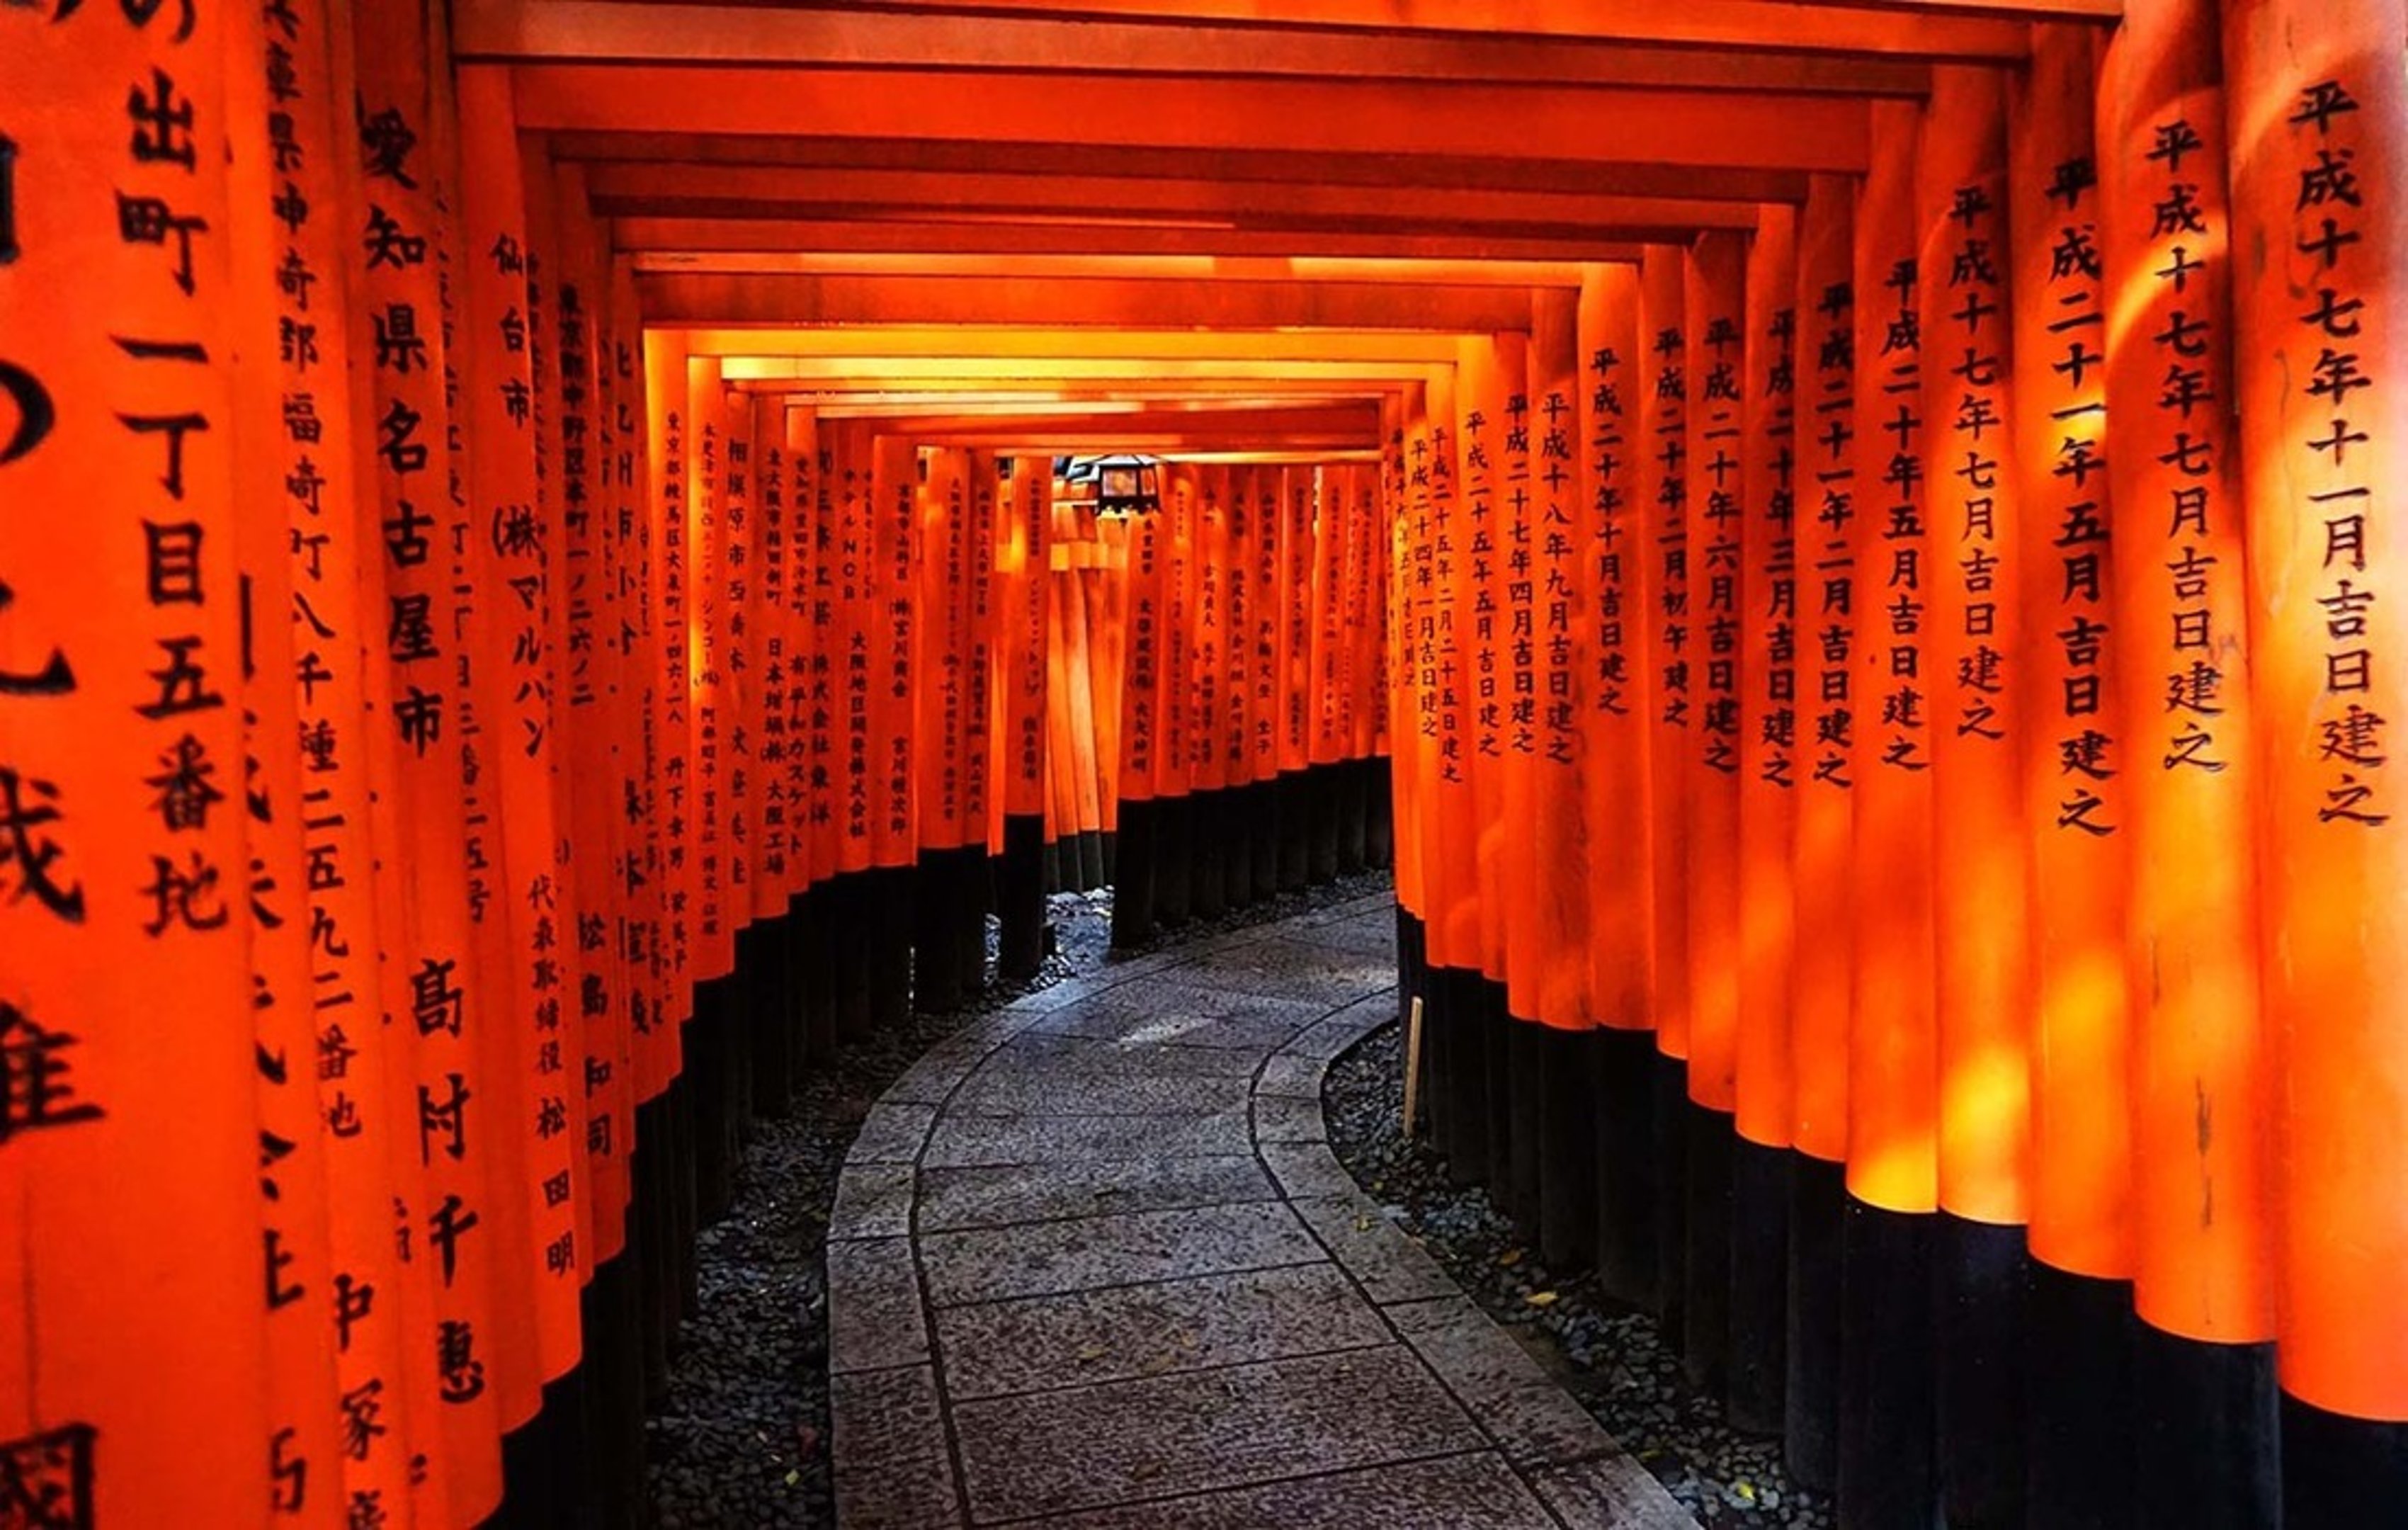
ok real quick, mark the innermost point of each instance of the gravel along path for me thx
(1606, 1355)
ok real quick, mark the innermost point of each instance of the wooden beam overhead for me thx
(1421, 273)
(1920, 29)
(996, 342)
(1790, 132)
(813, 36)
(1058, 373)
(1274, 167)
(672, 299)
(831, 196)
(773, 244)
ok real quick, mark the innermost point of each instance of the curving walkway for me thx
(1093, 1265)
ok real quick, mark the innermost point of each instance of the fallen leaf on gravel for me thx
(1540, 1298)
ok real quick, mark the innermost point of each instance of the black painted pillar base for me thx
(1467, 1051)
(1020, 896)
(1091, 859)
(2079, 1430)
(1111, 839)
(1525, 1104)
(1623, 1082)
(1174, 884)
(649, 1232)
(737, 1109)
(819, 983)
(710, 1071)
(936, 954)
(1133, 894)
(2210, 1453)
(1354, 815)
(1322, 793)
(1238, 859)
(685, 1187)
(1670, 1079)
(1208, 854)
(1295, 829)
(1380, 820)
(772, 993)
(1818, 1210)
(801, 979)
(1265, 857)
(2339, 1471)
(1705, 1331)
(1983, 1343)
(853, 966)
(891, 919)
(1757, 1364)
(1049, 861)
(1888, 1386)
(973, 899)
(1497, 1045)
(613, 1459)
(1567, 1151)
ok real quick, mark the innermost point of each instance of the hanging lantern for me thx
(1123, 485)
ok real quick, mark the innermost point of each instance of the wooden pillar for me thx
(2205, 1393)
(1833, 593)
(1708, 645)
(2076, 773)
(1975, 653)
(1664, 489)
(1769, 637)
(1616, 810)
(1560, 848)
(1886, 1389)
(2318, 123)
(126, 1024)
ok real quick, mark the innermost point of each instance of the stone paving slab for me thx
(1390, 1266)
(1535, 1421)
(1090, 1447)
(893, 1471)
(991, 1262)
(1475, 1492)
(1072, 1091)
(1157, 1299)
(1037, 1140)
(1036, 1054)
(1040, 1342)
(1002, 1194)
(872, 1200)
(875, 1316)
(1294, 969)
(891, 1133)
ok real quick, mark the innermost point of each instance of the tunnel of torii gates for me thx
(1852, 544)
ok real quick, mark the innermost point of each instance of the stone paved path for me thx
(1093, 1265)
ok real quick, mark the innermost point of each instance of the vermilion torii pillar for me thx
(2203, 1276)
(2318, 116)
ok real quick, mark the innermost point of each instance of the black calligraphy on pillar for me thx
(1978, 291)
(36, 1088)
(1778, 730)
(1832, 445)
(2326, 129)
(1608, 421)
(1671, 406)
(1904, 717)
(2074, 297)
(1717, 563)
(46, 1480)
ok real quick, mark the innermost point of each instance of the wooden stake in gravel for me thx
(1412, 1066)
